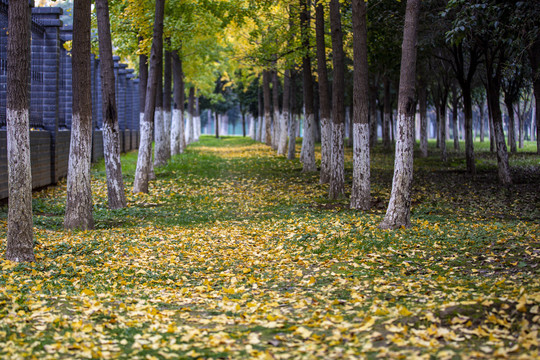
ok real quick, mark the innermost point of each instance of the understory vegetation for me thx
(235, 253)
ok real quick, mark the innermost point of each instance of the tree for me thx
(308, 142)
(399, 209)
(267, 133)
(324, 95)
(337, 171)
(160, 146)
(285, 113)
(142, 171)
(111, 130)
(178, 140)
(79, 192)
(20, 242)
(167, 97)
(360, 196)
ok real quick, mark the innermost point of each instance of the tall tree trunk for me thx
(502, 152)
(422, 99)
(178, 140)
(143, 82)
(373, 118)
(191, 116)
(267, 132)
(308, 141)
(291, 154)
(360, 196)
(285, 113)
(337, 172)
(260, 114)
(442, 126)
(469, 144)
(159, 123)
(111, 130)
(275, 103)
(387, 114)
(455, 125)
(511, 125)
(79, 193)
(324, 95)
(398, 213)
(492, 145)
(216, 117)
(197, 119)
(482, 121)
(20, 242)
(534, 59)
(167, 97)
(144, 159)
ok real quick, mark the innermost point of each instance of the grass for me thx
(235, 253)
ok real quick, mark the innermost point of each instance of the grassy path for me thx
(237, 254)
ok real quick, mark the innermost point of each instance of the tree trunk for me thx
(197, 120)
(534, 59)
(260, 116)
(511, 125)
(455, 125)
(178, 140)
(469, 144)
(191, 116)
(167, 97)
(502, 152)
(373, 118)
(144, 159)
(159, 123)
(267, 135)
(387, 115)
(285, 114)
(442, 127)
(482, 121)
(398, 213)
(79, 193)
(111, 130)
(291, 154)
(308, 141)
(324, 95)
(276, 115)
(143, 82)
(216, 117)
(20, 242)
(490, 122)
(422, 99)
(360, 196)
(337, 171)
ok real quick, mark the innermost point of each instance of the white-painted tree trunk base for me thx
(398, 213)
(167, 124)
(326, 150)
(20, 242)
(308, 145)
(361, 196)
(144, 160)
(282, 143)
(79, 193)
(176, 133)
(197, 128)
(160, 158)
(113, 167)
(337, 172)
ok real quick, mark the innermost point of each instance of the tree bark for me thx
(167, 97)
(511, 125)
(324, 95)
(337, 173)
(143, 82)
(442, 127)
(111, 129)
(260, 115)
(373, 118)
(308, 141)
(178, 140)
(387, 119)
(360, 196)
(455, 124)
(534, 59)
(144, 159)
(159, 123)
(79, 193)
(191, 116)
(422, 99)
(276, 114)
(20, 242)
(216, 119)
(398, 213)
(291, 154)
(196, 120)
(267, 131)
(285, 113)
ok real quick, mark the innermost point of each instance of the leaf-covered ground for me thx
(236, 253)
